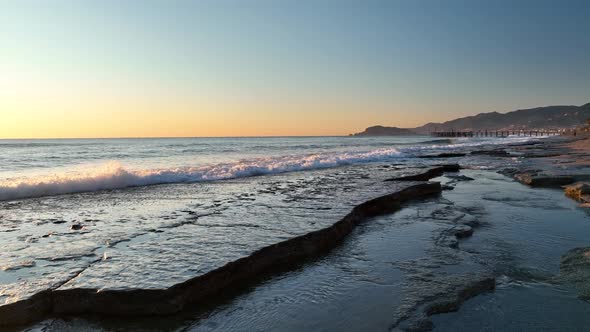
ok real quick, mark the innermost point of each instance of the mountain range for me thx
(548, 117)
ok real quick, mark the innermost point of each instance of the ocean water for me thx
(383, 273)
(121, 214)
(36, 168)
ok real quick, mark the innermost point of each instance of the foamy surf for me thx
(113, 175)
(88, 177)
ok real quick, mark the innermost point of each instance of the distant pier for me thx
(496, 133)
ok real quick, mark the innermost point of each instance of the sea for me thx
(150, 214)
(36, 168)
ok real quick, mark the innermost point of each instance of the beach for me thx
(383, 235)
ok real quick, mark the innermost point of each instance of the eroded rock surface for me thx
(131, 260)
(544, 181)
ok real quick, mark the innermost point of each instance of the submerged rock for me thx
(463, 231)
(462, 294)
(574, 269)
(457, 178)
(451, 298)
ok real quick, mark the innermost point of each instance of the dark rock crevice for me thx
(444, 155)
(494, 153)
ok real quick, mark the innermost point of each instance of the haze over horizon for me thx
(281, 68)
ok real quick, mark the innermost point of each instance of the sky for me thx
(176, 68)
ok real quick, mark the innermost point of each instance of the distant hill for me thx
(549, 117)
(385, 131)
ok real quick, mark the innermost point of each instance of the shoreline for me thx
(420, 317)
(174, 299)
(287, 254)
(403, 272)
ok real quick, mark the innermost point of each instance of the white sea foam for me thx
(113, 175)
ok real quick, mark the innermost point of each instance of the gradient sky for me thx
(240, 68)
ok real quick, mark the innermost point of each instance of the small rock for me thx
(76, 227)
(460, 178)
(578, 191)
(463, 231)
(469, 220)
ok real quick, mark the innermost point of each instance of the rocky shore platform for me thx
(110, 265)
(558, 162)
(433, 266)
(182, 256)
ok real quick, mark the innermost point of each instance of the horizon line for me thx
(277, 136)
(163, 137)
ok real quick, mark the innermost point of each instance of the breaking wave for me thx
(113, 175)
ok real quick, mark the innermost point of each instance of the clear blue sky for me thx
(283, 67)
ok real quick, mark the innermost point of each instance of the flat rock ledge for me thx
(233, 275)
(430, 174)
(534, 179)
